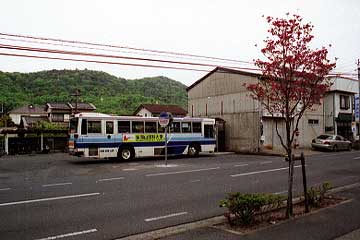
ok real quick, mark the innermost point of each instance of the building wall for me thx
(223, 95)
(16, 118)
(144, 113)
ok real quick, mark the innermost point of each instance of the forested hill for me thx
(110, 94)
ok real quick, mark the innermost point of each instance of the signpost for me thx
(164, 121)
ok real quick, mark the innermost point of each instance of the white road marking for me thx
(193, 181)
(241, 165)
(4, 189)
(263, 171)
(266, 162)
(48, 199)
(109, 179)
(166, 216)
(56, 184)
(189, 171)
(129, 169)
(69, 234)
(357, 158)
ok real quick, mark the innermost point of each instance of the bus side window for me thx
(186, 127)
(123, 126)
(196, 127)
(137, 126)
(109, 127)
(175, 127)
(160, 129)
(83, 127)
(94, 127)
(150, 127)
(208, 131)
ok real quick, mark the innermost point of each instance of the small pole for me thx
(302, 158)
(166, 145)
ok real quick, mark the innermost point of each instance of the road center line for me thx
(69, 234)
(56, 184)
(266, 162)
(48, 199)
(109, 179)
(189, 171)
(4, 189)
(263, 171)
(357, 158)
(166, 216)
(241, 165)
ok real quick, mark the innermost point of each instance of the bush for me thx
(245, 206)
(316, 194)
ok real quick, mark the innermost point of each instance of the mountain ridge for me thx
(110, 94)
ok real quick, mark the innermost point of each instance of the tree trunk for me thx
(289, 208)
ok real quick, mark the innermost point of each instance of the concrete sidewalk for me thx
(341, 222)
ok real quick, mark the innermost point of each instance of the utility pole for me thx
(77, 94)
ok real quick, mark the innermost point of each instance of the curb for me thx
(165, 232)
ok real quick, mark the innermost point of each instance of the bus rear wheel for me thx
(126, 153)
(193, 150)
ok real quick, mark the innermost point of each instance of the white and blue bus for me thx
(99, 135)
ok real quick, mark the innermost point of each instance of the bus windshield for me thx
(73, 125)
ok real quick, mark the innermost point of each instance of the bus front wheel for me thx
(193, 150)
(126, 153)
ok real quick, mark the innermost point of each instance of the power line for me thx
(44, 50)
(121, 47)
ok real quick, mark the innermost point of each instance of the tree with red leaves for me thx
(293, 79)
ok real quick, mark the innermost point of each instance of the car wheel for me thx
(193, 150)
(126, 153)
(335, 148)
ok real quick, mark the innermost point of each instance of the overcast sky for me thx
(226, 29)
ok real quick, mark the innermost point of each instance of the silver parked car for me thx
(331, 142)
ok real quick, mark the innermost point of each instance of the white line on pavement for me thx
(266, 162)
(263, 171)
(56, 184)
(109, 179)
(129, 169)
(48, 199)
(166, 216)
(357, 158)
(241, 165)
(193, 181)
(4, 189)
(69, 234)
(189, 171)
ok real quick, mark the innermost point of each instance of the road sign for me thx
(164, 119)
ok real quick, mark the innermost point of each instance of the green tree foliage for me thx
(108, 93)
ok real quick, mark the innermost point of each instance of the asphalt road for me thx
(58, 197)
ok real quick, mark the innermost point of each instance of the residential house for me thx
(61, 112)
(30, 110)
(153, 110)
(339, 107)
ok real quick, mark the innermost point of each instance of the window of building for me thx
(196, 127)
(57, 117)
(137, 126)
(94, 127)
(109, 127)
(313, 121)
(186, 127)
(123, 126)
(344, 102)
(150, 127)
